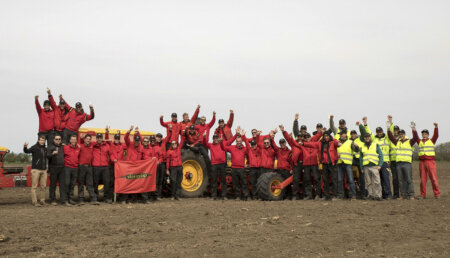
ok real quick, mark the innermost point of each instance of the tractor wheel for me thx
(265, 185)
(195, 176)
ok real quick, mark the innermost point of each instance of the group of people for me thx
(323, 164)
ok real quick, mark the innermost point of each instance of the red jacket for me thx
(176, 129)
(191, 121)
(254, 155)
(86, 154)
(46, 118)
(237, 154)
(193, 139)
(433, 139)
(283, 155)
(225, 132)
(173, 156)
(218, 155)
(75, 119)
(60, 114)
(71, 156)
(161, 147)
(101, 155)
(150, 152)
(206, 127)
(116, 151)
(267, 154)
(333, 145)
(309, 156)
(133, 152)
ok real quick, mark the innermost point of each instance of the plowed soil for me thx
(202, 227)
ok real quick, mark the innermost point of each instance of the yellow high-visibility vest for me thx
(370, 154)
(426, 149)
(384, 146)
(345, 153)
(404, 151)
(360, 144)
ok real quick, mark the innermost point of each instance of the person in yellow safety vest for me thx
(427, 163)
(342, 127)
(345, 150)
(371, 160)
(404, 160)
(393, 157)
(357, 172)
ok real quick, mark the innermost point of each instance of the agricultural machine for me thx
(195, 179)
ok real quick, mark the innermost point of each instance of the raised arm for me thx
(229, 142)
(415, 137)
(38, 105)
(161, 121)
(295, 128)
(392, 138)
(230, 119)
(332, 127)
(127, 137)
(195, 115)
(52, 102)
(213, 120)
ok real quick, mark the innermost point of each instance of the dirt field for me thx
(201, 227)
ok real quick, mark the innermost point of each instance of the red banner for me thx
(135, 176)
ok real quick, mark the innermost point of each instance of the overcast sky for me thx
(267, 60)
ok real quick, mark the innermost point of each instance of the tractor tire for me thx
(195, 167)
(264, 187)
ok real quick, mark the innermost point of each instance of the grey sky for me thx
(136, 60)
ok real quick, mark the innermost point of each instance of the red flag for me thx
(135, 176)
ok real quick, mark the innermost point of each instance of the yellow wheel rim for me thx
(194, 169)
(277, 191)
(100, 187)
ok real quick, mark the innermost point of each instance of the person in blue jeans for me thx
(345, 150)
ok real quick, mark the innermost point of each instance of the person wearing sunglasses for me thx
(254, 164)
(284, 166)
(55, 157)
(224, 130)
(75, 118)
(267, 153)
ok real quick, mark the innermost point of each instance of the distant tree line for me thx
(17, 158)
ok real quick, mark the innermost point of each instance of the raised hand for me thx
(296, 116)
(275, 131)
(25, 145)
(131, 128)
(214, 113)
(331, 116)
(281, 127)
(161, 117)
(364, 119)
(435, 124)
(60, 96)
(243, 132)
(91, 107)
(389, 118)
(357, 122)
(49, 92)
(231, 111)
(36, 97)
(413, 125)
(198, 106)
(107, 128)
(136, 128)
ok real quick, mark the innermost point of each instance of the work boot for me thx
(95, 202)
(72, 202)
(36, 204)
(81, 202)
(54, 203)
(42, 203)
(67, 204)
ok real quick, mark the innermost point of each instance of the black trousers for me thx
(56, 175)
(103, 173)
(296, 175)
(176, 176)
(311, 172)
(112, 178)
(48, 137)
(66, 135)
(85, 175)
(255, 173)
(70, 178)
(160, 174)
(218, 171)
(285, 174)
(239, 182)
(327, 172)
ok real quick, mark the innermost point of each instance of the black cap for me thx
(319, 125)
(367, 135)
(343, 132)
(326, 133)
(282, 141)
(396, 127)
(174, 115)
(221, 121)
(137, 138)
(425, 131)
(253, 142)
(99, 135)
(191, 127)
(215, 136)
(303, 127)
(78, 104)
(62, 102)
(342, 121)
(353, 132)
(379, 129)
(315, 132)
(117, 137)
(152, 138)
(307, 135)
(402, 131)
(159, 135)
(46, 102)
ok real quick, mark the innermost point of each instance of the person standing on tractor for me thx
(342, 127)
(60, 114)
(404, 161)
(46, 119)
(427, 163)
(71, 162)
(175, 127)
(371, 160)
(303, 129)
(284, 167)
(188, 122)
(254, 164)
(238, 153)
(134, 152)
(85, 171)
(38, 169)
(75, 118)
(203, 127)
(55, 155)
(100, 164)
(174, 168)
(161, 144)
(224, 130)
(345, 151)
(219, 163)
(117, 150)
(328, 157)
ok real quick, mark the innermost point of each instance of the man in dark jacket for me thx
(55, 157)
(38, 169)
